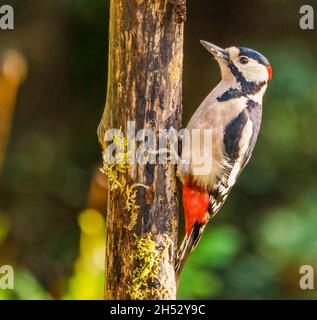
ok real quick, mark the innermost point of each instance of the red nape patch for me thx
(195, 202)
(270, 72)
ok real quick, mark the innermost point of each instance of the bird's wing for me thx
(239, 140)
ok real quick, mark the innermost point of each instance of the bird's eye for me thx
(243, 60)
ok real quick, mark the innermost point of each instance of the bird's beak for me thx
(216, 51)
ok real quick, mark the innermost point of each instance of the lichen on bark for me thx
(145, 86)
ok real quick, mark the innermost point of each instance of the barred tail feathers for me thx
(188, 245)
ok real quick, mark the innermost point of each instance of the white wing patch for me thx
(243, 147)
(234, 173)
(245, 138)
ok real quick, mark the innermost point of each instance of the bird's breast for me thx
(205, 155)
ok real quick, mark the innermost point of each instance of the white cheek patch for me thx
(253, 71)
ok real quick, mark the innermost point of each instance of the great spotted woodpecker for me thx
(233, 111)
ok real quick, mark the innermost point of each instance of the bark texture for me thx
(144, 85)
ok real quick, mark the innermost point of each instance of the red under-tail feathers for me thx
(195, 202)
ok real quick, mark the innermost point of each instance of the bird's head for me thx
(242, 64)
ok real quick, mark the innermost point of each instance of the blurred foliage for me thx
(87, 280)
(216, 251)
(266, 229)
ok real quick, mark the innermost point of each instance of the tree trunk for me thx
(144, 85)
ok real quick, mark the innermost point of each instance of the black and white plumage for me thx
(233, 110)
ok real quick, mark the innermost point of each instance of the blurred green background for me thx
(52, 196)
